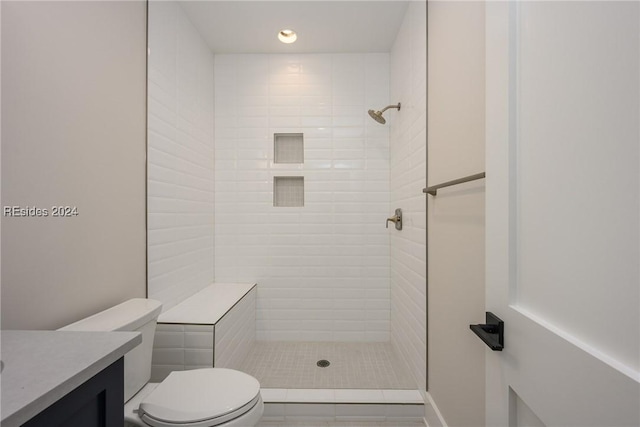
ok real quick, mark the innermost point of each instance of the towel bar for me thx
(433, 190)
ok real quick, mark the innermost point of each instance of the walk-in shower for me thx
(264, 167)
(377, 115)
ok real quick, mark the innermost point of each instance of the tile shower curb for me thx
(342, 405)
(322, 395)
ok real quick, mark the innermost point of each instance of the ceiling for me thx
(322, 26)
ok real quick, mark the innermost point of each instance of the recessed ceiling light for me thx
(287, 36)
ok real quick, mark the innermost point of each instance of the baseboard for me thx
(433, 416)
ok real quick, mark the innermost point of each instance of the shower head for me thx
(377, 115)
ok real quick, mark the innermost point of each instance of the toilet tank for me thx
(138, 314)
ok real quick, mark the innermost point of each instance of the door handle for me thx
(492, 332)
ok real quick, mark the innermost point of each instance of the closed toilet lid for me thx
(200, 395)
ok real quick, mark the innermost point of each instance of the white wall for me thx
(408, 177)
(180, 157)
(73, 131)
(322, 269)
(456, 215)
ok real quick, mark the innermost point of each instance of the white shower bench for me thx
(216, 327)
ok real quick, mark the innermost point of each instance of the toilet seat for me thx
(200, 398)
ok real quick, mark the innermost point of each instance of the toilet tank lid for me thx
(127, 316)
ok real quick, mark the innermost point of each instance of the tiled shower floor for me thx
(353, 365)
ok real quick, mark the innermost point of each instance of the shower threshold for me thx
(399, 406)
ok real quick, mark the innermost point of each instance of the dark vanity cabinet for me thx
(98, 402)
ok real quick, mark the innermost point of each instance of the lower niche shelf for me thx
(288, 191)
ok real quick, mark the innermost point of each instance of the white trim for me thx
(433, 413)
(592, 351)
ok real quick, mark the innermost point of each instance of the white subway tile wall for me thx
(180, 192)
(408, 178)
(322, 270)
(235, 333)
(179, 348)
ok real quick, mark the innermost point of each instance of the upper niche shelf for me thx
(288, 148)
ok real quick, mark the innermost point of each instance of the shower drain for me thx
(323, 363)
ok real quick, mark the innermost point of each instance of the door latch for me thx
(492, 332)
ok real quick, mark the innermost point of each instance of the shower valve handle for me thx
(397, 219)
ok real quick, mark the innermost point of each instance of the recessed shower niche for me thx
(288, 191)
(288, 148)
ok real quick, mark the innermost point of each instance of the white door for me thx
(563, 184)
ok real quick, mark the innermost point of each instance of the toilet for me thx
(195, 398)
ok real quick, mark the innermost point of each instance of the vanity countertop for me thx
(40, 367)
